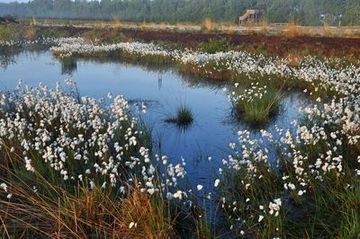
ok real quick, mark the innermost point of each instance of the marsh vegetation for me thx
(255, 105)
(80, 160)
(183, 117)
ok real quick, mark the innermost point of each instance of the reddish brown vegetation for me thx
(278, 45)
(274, 45)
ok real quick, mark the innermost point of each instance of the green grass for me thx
(203, 229)
(259, 111)
(109, 35)
(261, 191)
(329, 209)
(5, 33)
(350, 225)
(326, 212)
(183, 117)
(154, 61)
(18, 31)
(215, 45)
(71, 209)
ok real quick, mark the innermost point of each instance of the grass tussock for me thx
(258, 112)
(256, 105)
(116, 24)
(149, 216)
(208, 25)
(292, 29)
(183, 117)
(30, 33)
(264, 26)
(33, 21)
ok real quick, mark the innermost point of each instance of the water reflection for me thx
(160, 82)
(68, 66)
(163, 90)
(7, 56)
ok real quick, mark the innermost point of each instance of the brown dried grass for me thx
(292, 29)
(89, 214)
(208, 24)
(116, 24)
(264, 26)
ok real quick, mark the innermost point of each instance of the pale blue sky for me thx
(6, 1)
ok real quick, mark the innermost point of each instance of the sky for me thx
(6, 1)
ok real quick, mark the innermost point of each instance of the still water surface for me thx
(162, 90)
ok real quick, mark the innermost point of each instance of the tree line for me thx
(306, 12)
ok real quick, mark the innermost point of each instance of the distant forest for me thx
(306, 12)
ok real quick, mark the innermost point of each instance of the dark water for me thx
(163, 90)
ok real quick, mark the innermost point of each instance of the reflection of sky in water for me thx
(210, 133)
